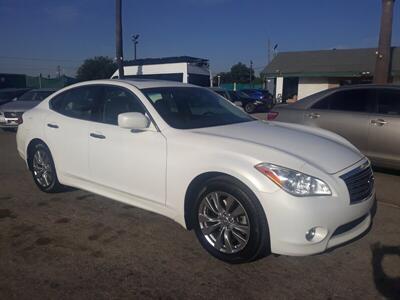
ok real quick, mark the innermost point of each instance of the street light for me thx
(135, 40)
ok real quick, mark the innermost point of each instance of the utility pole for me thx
(118, 38)
(251, 71)
(383, 54)
(269, 52)
(135, 40)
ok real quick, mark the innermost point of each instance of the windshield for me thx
(191, 107)
(35, 95)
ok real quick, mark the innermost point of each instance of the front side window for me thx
(80, 103)
(357, 100)
(389, 102)
(116, 101)
(190, 107)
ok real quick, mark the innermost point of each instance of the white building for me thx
(307, 72)
(184, 69)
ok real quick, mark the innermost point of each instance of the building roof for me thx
(166, 60)
(329, 63)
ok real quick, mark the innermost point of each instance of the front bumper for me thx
(290, 218)
(9, 122)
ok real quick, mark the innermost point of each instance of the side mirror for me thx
(133, 120)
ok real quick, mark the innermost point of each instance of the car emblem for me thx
(13, 114)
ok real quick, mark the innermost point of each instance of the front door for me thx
(124, 160)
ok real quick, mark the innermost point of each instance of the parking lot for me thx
(76, 245)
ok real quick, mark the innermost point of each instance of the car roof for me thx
(14, 89)
(311, 99)
(150, 83)
(43, 90)
(218, 89)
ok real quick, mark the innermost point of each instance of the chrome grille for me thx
(359, 182)
(11, 114)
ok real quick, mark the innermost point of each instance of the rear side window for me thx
(389, 102)
(80, 103)
(117, 101)
(357, 100)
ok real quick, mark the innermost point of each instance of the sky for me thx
(38, 35)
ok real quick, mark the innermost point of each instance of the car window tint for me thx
(389, 102)
(189, 107)
(80, 103)
(117, 101)
(222, 93)
(233, 95)
(357, 100)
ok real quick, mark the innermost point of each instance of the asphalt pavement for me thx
(77, 245)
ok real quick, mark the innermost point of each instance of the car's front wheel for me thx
(43, 170)
(230, 222)
(249, 107)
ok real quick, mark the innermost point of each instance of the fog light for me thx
(310, 234)
(316, 234)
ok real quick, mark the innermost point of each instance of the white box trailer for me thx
(184, 69)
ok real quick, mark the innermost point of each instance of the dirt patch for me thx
(43, 241)
(6, 213)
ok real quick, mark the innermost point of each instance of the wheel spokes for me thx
(224, 222)
(42, 169)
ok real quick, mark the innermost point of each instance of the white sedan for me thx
(246, 187)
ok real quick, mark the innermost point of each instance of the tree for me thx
(241, 73)
(99, 67)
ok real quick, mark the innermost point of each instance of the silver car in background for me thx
(11, 112)
(366, 115)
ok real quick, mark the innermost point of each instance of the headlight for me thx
(294, 182)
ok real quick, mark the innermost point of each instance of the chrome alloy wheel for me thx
(42, 169)
(224, 222)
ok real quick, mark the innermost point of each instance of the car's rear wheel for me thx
(249, 108)
(229, 221)
(43, 169)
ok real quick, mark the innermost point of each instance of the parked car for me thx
(11, 112)
(259, 94)
(367, 115)
(245, 186)
(10, 94)
(241, 99)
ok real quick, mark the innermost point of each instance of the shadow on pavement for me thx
(386, 171)
(389, 287)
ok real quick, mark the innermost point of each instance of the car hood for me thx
(19, 105)
(320, 148)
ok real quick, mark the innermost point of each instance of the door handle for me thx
(52, 125)
(313, 115)
(378, 122)
(97, 136)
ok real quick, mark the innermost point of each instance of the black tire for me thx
(249, 108)
(258, 244)
(53, 185)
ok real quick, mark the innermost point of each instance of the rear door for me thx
(67, 129)
(346, 113)
(384, 140)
